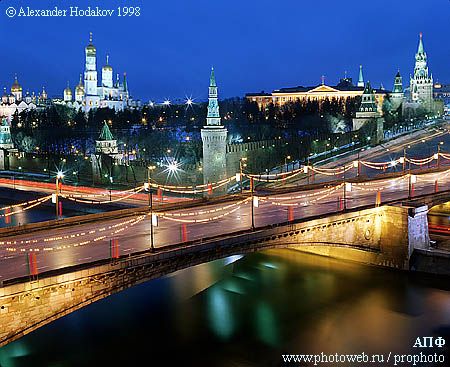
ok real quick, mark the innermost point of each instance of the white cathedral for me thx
(89, 95)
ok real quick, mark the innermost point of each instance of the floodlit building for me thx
(343, 90)
(92, 93)
(15, 101)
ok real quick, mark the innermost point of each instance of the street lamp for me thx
(439, 153)
(241, 166)
(59, 176)
(285, 162)
(150, 204)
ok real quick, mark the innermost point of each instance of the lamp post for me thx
(439, 154)
(241, 166)
(59, 176)
(404, 160)
(150, 204)
(252, 203)
(358, 172)
(285, 162)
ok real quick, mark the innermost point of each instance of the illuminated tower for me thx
(421, 82)
(214, 138)
(368, 113)
(90, 77)
(397, 93)
(107, 74)
(360, 78)
(16, 90)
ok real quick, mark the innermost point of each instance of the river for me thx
(246, 311)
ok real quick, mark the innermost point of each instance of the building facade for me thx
(214, 138)
(441, 92)
(343, 90)
(5, 135)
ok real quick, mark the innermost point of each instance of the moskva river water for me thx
(247, 311)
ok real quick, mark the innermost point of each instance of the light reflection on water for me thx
(245, 311)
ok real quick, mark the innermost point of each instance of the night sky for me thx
(253, 45)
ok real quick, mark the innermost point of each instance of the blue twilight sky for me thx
(254, 45)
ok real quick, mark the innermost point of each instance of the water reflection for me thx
(245, 312)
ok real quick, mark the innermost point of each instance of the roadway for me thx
(418, 144)
(58, 248)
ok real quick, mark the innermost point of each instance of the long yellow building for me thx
(343, 90)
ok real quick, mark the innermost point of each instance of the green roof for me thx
(106, 133)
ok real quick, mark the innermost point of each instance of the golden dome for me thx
(68, 91)
(16, 87)
(90, 48)
(107, 67)
(79, 89)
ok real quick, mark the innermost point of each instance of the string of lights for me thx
(24, 203)
(301, 196)
(192, 190)
(78, 200)
(323, 194)
(118, 228)
(36, 203)
(204, 220)
(332, 171)
(103, 194)
(203, 212)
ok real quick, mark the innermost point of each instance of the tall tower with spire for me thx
(360, 78)
(397, 92)
(421, 82)
(368, 113)
(92, 98)
(214, 138)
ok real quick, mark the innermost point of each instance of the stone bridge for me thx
(383, 236)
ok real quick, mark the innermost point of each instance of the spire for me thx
(420, 49)
(368, 88)
(125, 85)
(360, 78)
(106, 133)
(213, 117)
(368, 100)
(107, 59)
(90, 48)
(212, 79)
(398, 83)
